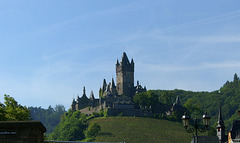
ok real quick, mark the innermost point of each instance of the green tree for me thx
(146, 99)
(12, 111)
(92, 130)
(49, 117)
(235, 80)
(192, 107)
(167, 97)
(141, 99)
(2, 112)
(70, 128)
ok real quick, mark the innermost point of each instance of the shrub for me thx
(92, 130)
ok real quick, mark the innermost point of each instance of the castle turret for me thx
(139, 88)
(108, 91)
(117, 64)
(220, 127)
(92, 96)
(73, 106)
(125, 76)
(113, 88)
(84, 96)
(113, 84)
(132, 63)
(83, 101)
(104, 86)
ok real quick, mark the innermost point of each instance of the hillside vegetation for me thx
(196, 103)
(133, 129)
(140, 130)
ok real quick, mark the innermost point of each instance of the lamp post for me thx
(205, 119)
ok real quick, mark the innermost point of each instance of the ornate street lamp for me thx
(205, 119)
(185, 120)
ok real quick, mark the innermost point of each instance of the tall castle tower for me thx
(125, 76)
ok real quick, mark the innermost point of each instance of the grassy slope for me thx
(141, 130)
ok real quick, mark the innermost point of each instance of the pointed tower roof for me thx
(84, 93)
(92, 96)
(132, 62)
(104, 85)
(124, 59)
(73, 102)
(220, 119)
(104, 82)
(112, 84)
(117, 64)
(108, 88)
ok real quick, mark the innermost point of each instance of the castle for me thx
(117, 98)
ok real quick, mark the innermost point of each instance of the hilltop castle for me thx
(117, 98)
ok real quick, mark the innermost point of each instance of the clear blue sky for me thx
(51, 49)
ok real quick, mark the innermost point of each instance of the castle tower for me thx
(92, 96)
(73, 106)
(84, 93)
(113, 88)
(104, 86)
(220, 127)
(125, 76)
(83, 101)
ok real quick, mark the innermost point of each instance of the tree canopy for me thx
(10, 110)
(50, 117)
(196, 103)
(71, 127)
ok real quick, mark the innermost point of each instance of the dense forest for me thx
(196, 103)
(49, 117)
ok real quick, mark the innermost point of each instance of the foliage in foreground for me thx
(10, 110)
(74, 127)
(70, 128)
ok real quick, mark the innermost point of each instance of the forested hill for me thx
(49, 117)
(228, 96)
(196, 103)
